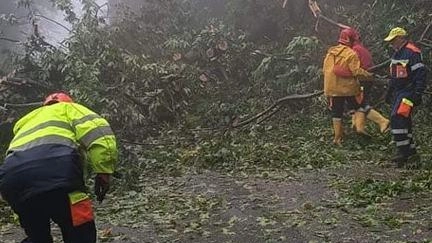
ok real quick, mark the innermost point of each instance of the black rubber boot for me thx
(400, 160)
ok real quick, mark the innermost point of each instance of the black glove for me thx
(101, 187)
(417, 99)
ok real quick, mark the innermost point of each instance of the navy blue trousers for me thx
(36, 214)
(401, 126)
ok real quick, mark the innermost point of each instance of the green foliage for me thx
(295, 70)
(168, 68)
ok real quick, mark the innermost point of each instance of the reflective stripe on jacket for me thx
(345, 57)
(407, 71)
(71, 125)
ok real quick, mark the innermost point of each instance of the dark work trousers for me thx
(337, 105)
(401, 127)
(36, 213)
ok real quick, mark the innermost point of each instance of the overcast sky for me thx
(54, 32)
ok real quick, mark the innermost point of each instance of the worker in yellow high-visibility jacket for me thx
(42, 177)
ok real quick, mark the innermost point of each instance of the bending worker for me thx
(42, 177)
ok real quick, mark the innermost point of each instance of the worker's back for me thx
(43, 155)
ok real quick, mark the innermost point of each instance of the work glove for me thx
(101, 187)
(417, 99)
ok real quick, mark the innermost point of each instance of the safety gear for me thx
(353, 123)
(102, 185)
(408, 73)
(405, 107)
(71, 125)
(400, 160)
(377, 118)
(80, 208)
(53, 135)
(37, 213)
(340, 86)
(338, 131)
(57, 97)
(360, 123)
(398, 31)
(401, 126)
(347, 36)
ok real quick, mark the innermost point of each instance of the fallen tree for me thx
(275, 107)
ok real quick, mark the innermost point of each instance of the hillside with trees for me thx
(223, 129)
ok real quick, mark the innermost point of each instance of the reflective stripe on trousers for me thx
(401, 127)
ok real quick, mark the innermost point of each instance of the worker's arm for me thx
(356, 70)
(95, 135)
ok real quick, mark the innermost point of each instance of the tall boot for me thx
(353, 121)
(338, 131)
(360, 123)
(381, 121)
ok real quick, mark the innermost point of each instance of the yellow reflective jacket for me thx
(345, 57)
(71, 125)
(44, 154)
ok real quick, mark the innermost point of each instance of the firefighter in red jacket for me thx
(366, 111)
(407, 83)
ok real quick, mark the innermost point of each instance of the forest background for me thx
(177, 80)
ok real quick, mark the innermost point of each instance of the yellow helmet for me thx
(398, 31)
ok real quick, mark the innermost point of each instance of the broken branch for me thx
(53, 21)
(10, 40)
(279, 102)
(425, 31)
(24, 81)
(383, 64)
(6, 105)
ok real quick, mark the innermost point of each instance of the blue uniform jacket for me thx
(408, 73)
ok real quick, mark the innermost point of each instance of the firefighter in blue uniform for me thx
(408, 81)
(42, 176)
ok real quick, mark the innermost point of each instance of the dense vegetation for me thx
(173, 77)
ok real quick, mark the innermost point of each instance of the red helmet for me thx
(348, 36)
(57, 97)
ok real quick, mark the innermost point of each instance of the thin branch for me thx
(53, 21)
(425, 31)
(333, 22)
(24, 81)
(425, 44)
(427, 92)
(383, 64)
(145, 144)
(6, 105)
(8, 39)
